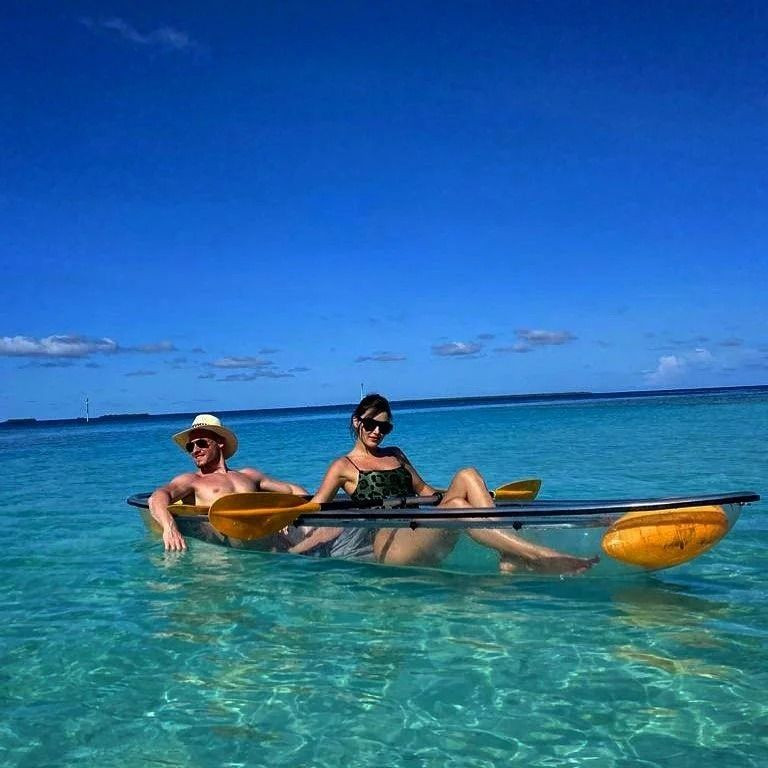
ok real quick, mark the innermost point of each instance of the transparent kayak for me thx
(628, 535)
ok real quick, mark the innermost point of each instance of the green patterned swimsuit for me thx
(378, 484)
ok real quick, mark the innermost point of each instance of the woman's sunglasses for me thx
(385, 427)
(201, 442)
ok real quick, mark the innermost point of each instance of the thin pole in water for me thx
(87, 414)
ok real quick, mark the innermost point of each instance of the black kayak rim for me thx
(395, 509)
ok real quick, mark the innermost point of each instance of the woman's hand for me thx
(315, 539)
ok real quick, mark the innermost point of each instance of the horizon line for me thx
(435, 402)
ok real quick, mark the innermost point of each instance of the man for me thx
(210, 445)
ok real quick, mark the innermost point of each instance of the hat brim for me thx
(230, 440)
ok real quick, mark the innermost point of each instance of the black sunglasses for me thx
(201, 442)
(385, 427)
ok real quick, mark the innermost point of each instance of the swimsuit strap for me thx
(374, 470)
(353, 463)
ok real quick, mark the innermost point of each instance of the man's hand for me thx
(178, 488)
(173, 540)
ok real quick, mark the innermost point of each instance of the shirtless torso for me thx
(205, 489)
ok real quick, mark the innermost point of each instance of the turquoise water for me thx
(113, 653)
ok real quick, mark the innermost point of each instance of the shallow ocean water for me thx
(113, 653)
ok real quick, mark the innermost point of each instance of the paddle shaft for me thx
(253, 504)
(254, 515)
(247, 503)
(523, 490)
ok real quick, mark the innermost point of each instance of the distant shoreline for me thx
(437, 402)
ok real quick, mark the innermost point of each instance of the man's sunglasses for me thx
(385, 427)
(201, 442)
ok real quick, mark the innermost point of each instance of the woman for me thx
(369, 472)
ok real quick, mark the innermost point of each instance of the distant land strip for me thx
(425, 403)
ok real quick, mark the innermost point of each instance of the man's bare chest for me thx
(211, 487)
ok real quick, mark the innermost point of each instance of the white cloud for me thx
(545, 338)
(242, 362)
(380, 357)
(160, 346)
(167, 38)
(54, 346)
(671, 368)
(457, 349)
(519, 347)
(72, 345)
(253, 375)
(256, 367)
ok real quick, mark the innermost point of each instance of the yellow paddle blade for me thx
(520, 490)
(233, 502)
(249, 516)
(665, 538)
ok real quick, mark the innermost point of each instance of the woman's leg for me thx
(424, 546)
(517, 554)
(467, 489)
(428, 546)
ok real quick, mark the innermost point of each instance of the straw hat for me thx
(210, 424)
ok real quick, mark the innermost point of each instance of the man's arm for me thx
(266, 483)
(177, 489)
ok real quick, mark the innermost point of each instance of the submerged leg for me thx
(517, 554)
(467, 489)
(423, 546)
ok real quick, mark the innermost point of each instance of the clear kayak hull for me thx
(629, 536)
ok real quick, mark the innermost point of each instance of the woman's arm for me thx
(315, 539)
(335, 477)
(329, 487)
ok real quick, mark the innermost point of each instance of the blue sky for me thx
(206, 206)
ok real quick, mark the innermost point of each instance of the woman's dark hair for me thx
(370, 403)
